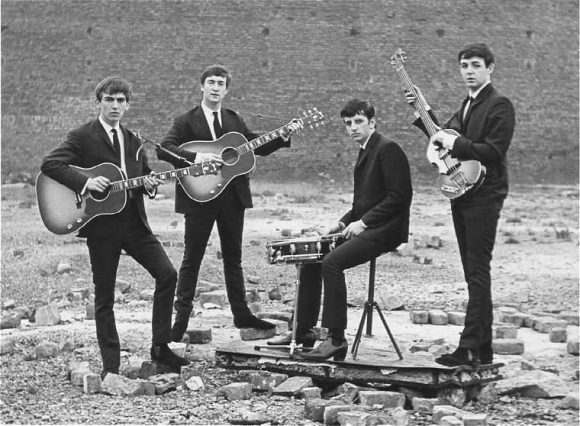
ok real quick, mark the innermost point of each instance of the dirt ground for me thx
(535, 269)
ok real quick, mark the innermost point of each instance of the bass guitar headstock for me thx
(398, 58)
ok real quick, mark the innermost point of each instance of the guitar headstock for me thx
(399, 57)
(311, 118)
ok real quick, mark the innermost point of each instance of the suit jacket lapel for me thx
(199, 125)
(480, 98)
(370, 145)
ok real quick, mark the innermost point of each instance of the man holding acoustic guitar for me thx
(210, 132)
(479, 132)
(75, 164)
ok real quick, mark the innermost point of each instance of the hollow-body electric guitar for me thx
(237, 155)
(455, 177)
(64, 211)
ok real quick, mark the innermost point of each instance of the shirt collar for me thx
(478, 91)
(364, 145)
(208, 111)
(108, 127)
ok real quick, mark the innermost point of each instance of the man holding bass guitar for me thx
(224, 203)
(101, 141)
(485, 123)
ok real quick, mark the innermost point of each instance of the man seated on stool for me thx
(378, 222)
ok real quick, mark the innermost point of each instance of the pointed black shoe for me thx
(307, 340)
(163, 355)
(250, 321)
(459, 357)
(326, 350)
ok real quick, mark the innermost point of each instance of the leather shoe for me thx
(461, 356)
(486, 353)
(163, 355)
(251, 321)
(307, 340)
(105, 372)
(327, 350)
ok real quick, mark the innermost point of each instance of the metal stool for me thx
(367, 315)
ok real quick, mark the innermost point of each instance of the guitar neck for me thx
(264, 139)
(419, 104)
(193, 170)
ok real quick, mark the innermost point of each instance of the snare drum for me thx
(302, 250)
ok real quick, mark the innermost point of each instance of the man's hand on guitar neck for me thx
(295, 126)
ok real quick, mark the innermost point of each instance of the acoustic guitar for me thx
(455, 177)
(238, 157)
(64, 211)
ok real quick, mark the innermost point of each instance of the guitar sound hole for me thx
(230, 156)
(99, 196)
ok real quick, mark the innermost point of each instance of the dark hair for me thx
(112, 85)
(357, 106)
(481, 50)
(217, 70)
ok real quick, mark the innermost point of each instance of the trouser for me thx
(104, 252)
(475, 228)
(349, 254)
(228, 212)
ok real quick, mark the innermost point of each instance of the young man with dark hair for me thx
(104, 140)
(207, 122)
(378, 222)
(485, 123)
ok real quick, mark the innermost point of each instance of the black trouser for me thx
(475, 228)
(349, 254)
(228, 212)
(104, 252)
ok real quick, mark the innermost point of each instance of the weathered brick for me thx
(256, 334)
(456, 318)
(199, 335)
(505, 331)
(293, 386)
(544, 325)
(92, 383)
(216, 298)
(558, 335)
(438, 317)
(572, 346)
(419, 317)
(238, 391)
(475, 419)
(508, 346)
(385, 399)
(264, 381)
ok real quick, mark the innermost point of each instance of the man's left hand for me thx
(444, 139)
(151, 182)
(294, 126)
(353, 229)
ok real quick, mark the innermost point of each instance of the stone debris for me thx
(47, 315)
(216, 298)
(533, 384)
(256, 334)
(558, 335)
(508, 346)
(115, 384)
(46, 349)
(293, 386)
(238, 391)
(199, 335)
(92, 384)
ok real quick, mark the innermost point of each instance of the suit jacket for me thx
(86, 147)
(485, 136)
(192, 126)
(382, 193)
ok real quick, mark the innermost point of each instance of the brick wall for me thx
(286, 55)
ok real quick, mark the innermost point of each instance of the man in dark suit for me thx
(377, 223)
(485, 123)
(207, 122)
(104, 140)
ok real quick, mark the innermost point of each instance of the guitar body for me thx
(455, 177)
(64, 211)
(207, 187)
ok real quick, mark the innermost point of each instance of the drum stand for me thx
(293, 344)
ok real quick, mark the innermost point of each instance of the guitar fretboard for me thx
(421, 108)
(264, 139)
(194, 170)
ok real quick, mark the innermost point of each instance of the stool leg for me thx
(371, 296)
(376, 305)
(358, 337)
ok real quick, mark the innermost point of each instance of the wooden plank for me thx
(410, 372)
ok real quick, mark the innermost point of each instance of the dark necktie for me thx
(217, 128)
(360, 154)
(116, 144)
(467, 108)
